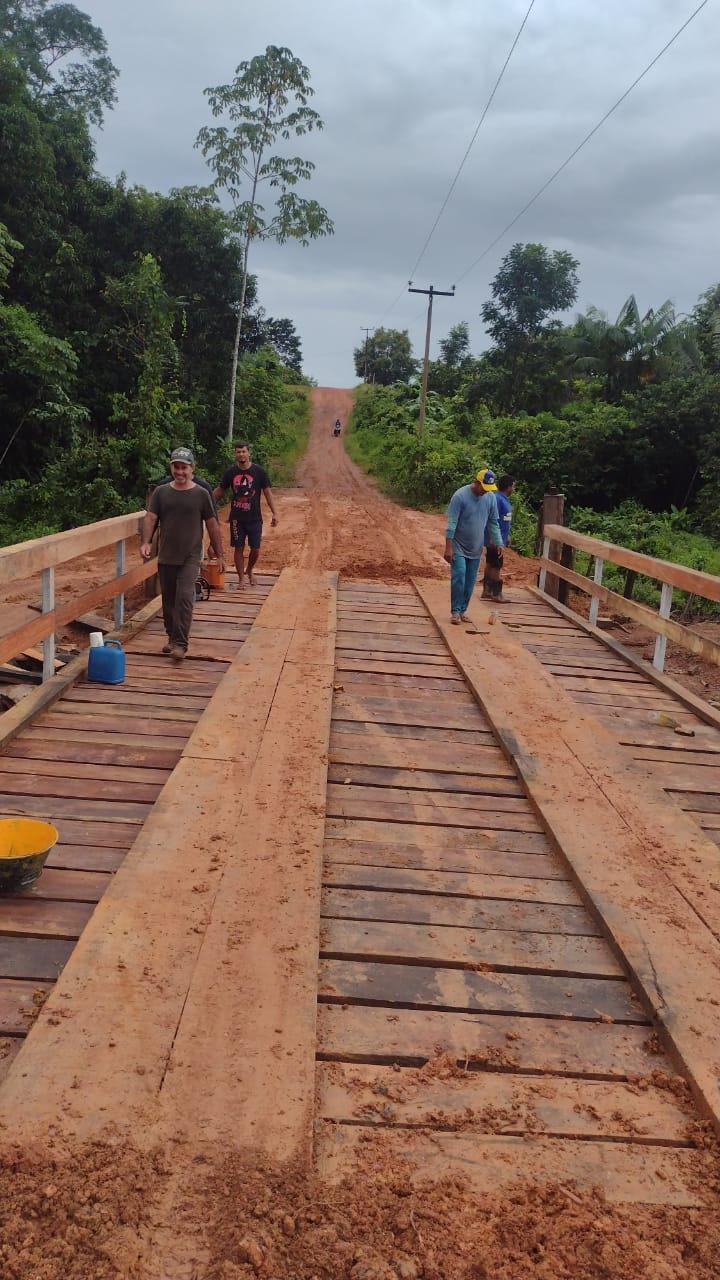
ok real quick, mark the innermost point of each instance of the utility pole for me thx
(367, 333)
(432, 292)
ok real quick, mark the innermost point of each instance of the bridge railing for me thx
(669, 575)
(43, 555)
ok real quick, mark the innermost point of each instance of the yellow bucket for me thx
(24, 845)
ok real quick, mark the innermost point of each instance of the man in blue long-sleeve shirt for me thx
(472, 509)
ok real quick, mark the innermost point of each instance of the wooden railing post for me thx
(48, 604)
(553, 512)
(666, 599)
(119, 571)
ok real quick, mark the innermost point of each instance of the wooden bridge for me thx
(352, 880)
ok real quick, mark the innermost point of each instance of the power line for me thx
(471, 143)
(541, 190)
(461, 166)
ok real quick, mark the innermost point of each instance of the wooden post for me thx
(567, 558)
(48, 604)
(553, 512)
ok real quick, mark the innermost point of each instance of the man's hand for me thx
(273, 522)
(146, 550)
(448, 552)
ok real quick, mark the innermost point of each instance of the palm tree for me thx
(632, 350)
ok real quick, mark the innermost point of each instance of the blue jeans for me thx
(463, 574)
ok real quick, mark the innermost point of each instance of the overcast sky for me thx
(400, 85)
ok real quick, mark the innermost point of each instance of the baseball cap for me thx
(488, 481)
(183, 455)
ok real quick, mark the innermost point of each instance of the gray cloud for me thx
(401, 87)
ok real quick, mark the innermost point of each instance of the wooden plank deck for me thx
(94, 765)
(641, 716)
(472, 1017)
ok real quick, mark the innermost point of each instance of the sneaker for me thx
(177, 653)
(167, 647)
(455, 619)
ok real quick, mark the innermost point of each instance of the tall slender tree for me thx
(265, 102)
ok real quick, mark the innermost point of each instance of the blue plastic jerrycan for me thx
(106, 663)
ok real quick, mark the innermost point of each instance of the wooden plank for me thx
(624, 1172)
(66, 763)
(390, 711)
(43, 919)
(122, 696)
(53, 807)
(160, 743)
(101, 835)
(253, 996)
(437, 757)
(36, 959)
(19, 1003)
(115, 705)
(135, 725)
(345, 806)
(464, 990)
(659, 703)
(24, 784)
(500, 1103)
(495, 780)
(26, 558)
(374, 854)
(709, 714)
(450, 947)
(643, 864)
(354, 875)
(85, 858)
(677, 575)
(372, 642)
(392, 794)
(435, 837)
(548, 1045)
(387, 665)
(598, 676)
(420, 685)
(418, 733)
(635, 688)
(465, 913)
(411, 690)
(45, 695)
(68, 885)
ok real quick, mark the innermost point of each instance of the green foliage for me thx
(624, 355)
(668, 535)
(389, 357)
(43, 37)
(273, 417)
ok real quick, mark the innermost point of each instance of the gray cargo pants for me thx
(177, 584)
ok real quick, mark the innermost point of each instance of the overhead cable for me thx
(461, 166)
(541, 190)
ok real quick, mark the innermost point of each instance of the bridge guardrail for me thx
(43, 555)
(665, 572)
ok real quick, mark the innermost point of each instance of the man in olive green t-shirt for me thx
(181, 508)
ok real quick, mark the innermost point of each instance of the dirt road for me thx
(337, 519)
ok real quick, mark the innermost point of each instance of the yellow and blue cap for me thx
(488, 480)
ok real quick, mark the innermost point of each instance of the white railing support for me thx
(546, 556)
(595, 601)
(119, 571)
(666, 599)
(48, 604)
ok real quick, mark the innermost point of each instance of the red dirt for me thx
(94, 1217)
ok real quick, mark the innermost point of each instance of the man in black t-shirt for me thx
(248, 482)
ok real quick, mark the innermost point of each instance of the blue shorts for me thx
(241, 529)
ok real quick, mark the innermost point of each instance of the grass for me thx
(295, 428)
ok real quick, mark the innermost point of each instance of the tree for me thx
(532, 285)
(633, 350)
(389, 357)
(455, 349)
(43, 37)
(706, 317)
(266, 101)
(37, 373)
